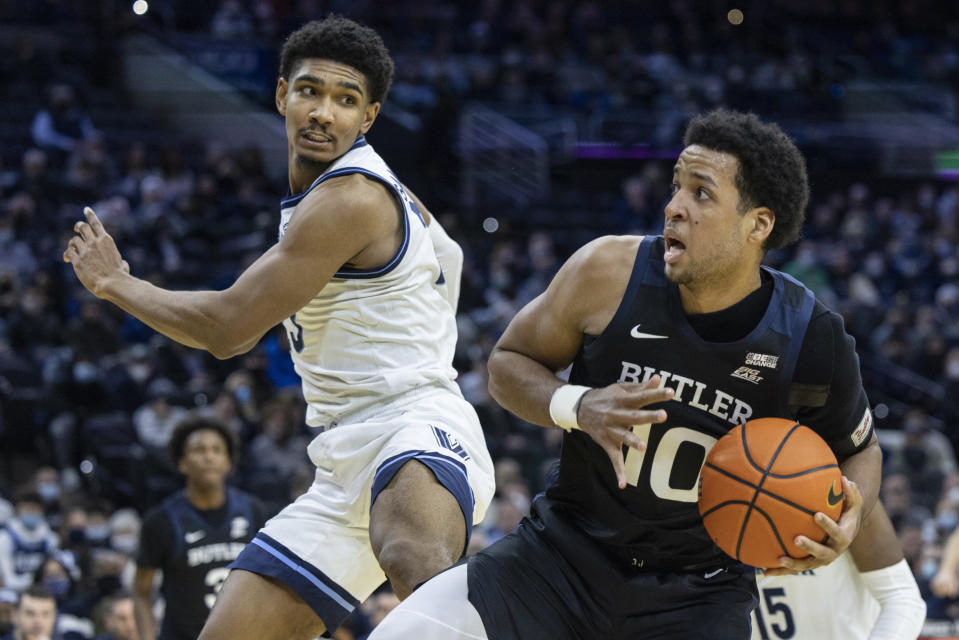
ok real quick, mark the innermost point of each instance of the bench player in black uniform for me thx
(195, 534)
(673, 339)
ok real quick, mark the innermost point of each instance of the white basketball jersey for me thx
(371, 335)
(829, 603)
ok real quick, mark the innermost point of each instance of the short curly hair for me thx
(772, 171)
(191, 425)
(345, 41)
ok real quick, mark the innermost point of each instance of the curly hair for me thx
(189, 426)
(772, 171)
(345, 41)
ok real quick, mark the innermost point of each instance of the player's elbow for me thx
(498, 370)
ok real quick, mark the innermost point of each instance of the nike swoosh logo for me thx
(713, 573)
(193, 536)
(832, 498)
(636, 333)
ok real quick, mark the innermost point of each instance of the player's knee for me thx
(408, 561)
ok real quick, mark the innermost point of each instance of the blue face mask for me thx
(48, 491)
(31, 520)
(58, 587)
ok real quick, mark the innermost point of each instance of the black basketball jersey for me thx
(654, 522)
(194, 552)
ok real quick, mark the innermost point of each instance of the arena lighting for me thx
(140, 7)
(735, 17)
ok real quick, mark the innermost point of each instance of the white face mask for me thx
(124, 543)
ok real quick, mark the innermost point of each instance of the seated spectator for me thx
(8, 606)
(25, 541)
(114, 618)
(155, 420)
(61, 126)
(35, 616)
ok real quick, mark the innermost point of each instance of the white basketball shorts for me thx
(319, 545)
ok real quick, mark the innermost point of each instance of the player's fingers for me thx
(630, 439)
(94, 221)
(615, 454)
(628, 417)
(83, 230)
(817, 550)
(830, 526)
(852, 496)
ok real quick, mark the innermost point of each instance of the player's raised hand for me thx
(94, 254)
(608, 415)
(841, 534)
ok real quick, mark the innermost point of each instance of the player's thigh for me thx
(438, 610)
(259, 608)
(415, 505)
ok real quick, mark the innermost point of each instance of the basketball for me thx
(760, 487)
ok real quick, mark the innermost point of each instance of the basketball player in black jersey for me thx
(673, 339)
(195, 534)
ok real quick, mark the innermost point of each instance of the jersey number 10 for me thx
(663, 460)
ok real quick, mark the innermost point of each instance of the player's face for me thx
(205, 457)
(327, 107)
(707, 237)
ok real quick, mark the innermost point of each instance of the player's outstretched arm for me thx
(545, 336)
(878, 556)
(333, 224)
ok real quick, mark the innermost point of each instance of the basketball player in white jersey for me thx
(365, 284)
(868, 593)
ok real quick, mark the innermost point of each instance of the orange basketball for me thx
(760, 487)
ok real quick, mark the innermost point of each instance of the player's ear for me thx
(763, 220)
(281, 88)
(372, 110)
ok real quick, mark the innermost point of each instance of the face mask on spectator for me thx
(947, 521)
(48, 491)
(124, 543)
(77, 536)
(928, 569)
(98, 533)
(58, 587)
(31, 520)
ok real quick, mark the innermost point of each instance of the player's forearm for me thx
(865, 469)
(522, 385)
(197, 319)
(146, 624)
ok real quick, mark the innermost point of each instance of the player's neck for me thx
(205, 497)
(709, 297)
(303, 173)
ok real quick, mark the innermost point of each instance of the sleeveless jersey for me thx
(828, 603)
(654, 522)
(372, 335)
(195, 563)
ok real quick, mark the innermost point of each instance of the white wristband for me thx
(564, 405)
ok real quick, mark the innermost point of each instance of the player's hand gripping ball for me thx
(760, 487)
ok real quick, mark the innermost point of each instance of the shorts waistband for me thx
(377, 409)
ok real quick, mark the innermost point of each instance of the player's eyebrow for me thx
(703, 177)
(342, 83)
(698, 175)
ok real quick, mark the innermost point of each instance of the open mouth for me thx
(674, 249)
(317, 139)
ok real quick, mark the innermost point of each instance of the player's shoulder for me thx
(351, 191)
(605, 255)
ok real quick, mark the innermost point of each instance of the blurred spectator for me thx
(8, 606)
(34, 616)
(279, 451)
(155, 420)
(114, 618)
(61, 126)
(25, 541)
